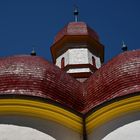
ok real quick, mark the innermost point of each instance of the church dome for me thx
(32, 76)
(119, 78)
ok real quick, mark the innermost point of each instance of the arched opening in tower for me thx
(62, 63)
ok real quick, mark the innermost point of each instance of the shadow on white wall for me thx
(13, 132)
(129, 131)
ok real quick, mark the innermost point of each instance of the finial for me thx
(33, 53)
(76, 13)
(124, 46)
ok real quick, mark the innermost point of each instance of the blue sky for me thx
(28, 23)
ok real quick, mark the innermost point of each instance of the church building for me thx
(77, 97)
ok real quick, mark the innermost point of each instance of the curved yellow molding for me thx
(112, 111)
(41, 110)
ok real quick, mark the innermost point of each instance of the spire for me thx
(33, 53)
(124, 46)
(76, 13)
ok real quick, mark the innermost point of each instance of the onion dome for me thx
(32, 76)
(76, 28)
(77, 50)
(119, 78)
(76, 32)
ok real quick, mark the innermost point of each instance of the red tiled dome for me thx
(33, 76)
(118, 78)
(76, 28)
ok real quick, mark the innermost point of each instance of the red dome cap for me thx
(76, 28)
(76, 32)
(118, 78)
(33, 76)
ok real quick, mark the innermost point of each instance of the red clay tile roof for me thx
(119, 77)
(34, 76)
(76, 28)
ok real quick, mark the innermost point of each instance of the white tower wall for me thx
(66, 59)
(97, 59)
(76, 56)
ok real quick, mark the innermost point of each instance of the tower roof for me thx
(77, 32)
(76, 28)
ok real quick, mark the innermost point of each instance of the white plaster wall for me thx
(35, 129)
(127, 132)
(78, 70)
(97, 59)
(12, 132)
(74, 56)
(66, 56)
(78, 56)
(126, 127)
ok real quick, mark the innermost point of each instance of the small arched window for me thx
(62, 62)
(93, 61)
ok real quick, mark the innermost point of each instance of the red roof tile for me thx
(34, 76)
(119, 77)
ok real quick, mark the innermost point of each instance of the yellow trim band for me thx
(112, 111)
(41, 110)
(67, 118)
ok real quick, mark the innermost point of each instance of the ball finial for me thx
(124, 46)
(33, 53)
